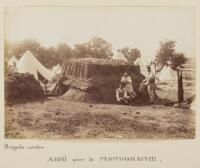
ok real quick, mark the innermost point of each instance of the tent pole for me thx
(180, 86)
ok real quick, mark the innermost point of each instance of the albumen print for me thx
(99, 72)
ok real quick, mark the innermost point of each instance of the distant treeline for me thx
(96, 47)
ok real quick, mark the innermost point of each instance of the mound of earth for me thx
(79, 95)
(19, 86)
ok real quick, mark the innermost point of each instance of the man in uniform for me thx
(150, 83)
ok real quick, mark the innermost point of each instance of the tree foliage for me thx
(131, 54)
(178, 60)
(167, 53)
(95, 47)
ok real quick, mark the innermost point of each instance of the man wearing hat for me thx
(150, 83)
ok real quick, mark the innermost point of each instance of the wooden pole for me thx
(180, 86)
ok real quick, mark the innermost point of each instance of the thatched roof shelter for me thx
(96, 80)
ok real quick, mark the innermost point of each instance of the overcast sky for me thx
(140, 27)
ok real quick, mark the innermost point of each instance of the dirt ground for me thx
(56, 118)
(169, 91)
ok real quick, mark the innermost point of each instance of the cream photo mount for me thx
(53, 149)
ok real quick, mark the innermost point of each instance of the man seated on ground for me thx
(121, 94)
(150, 83)
(126, 79)
(123, 97)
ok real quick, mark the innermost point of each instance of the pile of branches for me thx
(19, 86)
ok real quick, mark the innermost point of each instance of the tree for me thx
(47, 56)
(167, 53)
(11, 49)
(96, 48)
(18, 48)
(100, 48)
(125, 51)
(63, 51)
(178, 60)
(81, 51)
(43, 56)
(131, 54)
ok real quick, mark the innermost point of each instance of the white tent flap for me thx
(29, 64)
(167, 74)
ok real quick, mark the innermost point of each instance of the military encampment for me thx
(96, 79)
(29, 64)
(99, 79)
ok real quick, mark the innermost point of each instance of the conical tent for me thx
(56, 70)
(143, 65)
(167, 74)
(119, 57)
(58, 67)
(29, 64)
(12, 60)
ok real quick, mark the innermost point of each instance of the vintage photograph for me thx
(99, 72)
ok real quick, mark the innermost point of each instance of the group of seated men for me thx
(125, 93)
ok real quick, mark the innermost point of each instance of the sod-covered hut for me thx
(96, 80)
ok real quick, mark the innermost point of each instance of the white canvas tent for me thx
(167, 74)
(12, 60)
(29, 64)
(119, 57)
(56, 69)
(143, 65)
